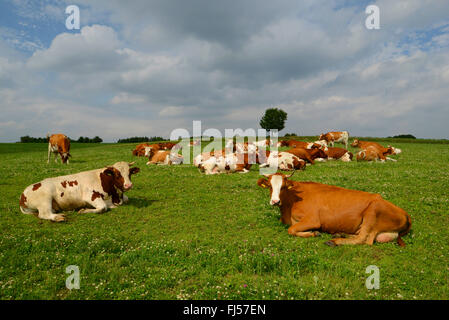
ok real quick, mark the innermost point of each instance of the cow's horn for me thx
(131, 163)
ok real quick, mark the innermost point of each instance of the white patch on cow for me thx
(276, 184)
(346, 157)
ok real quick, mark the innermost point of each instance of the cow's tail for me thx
(408, 226)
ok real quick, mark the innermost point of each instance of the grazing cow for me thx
(372, 153)
(308, 154)
(59, 143)
(284, 161)
(91, 191)
(162, 157)
(338, 154)
(310, 207)
(336, 136)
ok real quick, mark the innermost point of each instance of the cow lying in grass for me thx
(284, 161)
(310, 207)
(91, 191)
(162, 157)
(226, 163)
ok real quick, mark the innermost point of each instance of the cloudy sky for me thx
(144, 67)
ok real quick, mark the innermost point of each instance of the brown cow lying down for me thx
(162, 157)
(372, 153)
(91, 191)
(139, 151)
(308, 154)
(333, 153)
(301, 144)
(310, 207)
(364, 144)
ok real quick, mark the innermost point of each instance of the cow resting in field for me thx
(226, 163)
(310, 207)
(92, 191)
(364, 144)
(371, 153)
(162, 157)
(284, 161)
(59, 144)
(335, 136)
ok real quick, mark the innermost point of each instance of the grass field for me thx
(184, 235)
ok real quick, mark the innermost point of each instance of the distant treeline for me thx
(404, 136)
(140, 139)
(28, 139)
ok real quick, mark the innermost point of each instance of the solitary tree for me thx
(273, 118)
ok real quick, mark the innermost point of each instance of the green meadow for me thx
(184, 235)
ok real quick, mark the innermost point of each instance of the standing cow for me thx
(91, 191)
(59, 144)
(335, 136)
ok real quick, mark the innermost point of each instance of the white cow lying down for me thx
(91, 191)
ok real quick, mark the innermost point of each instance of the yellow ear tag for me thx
(263, 185)
(289, 187)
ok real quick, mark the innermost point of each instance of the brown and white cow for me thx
(162, 157)
(139, 151)
(292, 144)
(310, 207)
(59, 144)
(364, 144)
(338, 154)
(284, 161)
(91, 191)
(373, 153)
(226, 163)
(308, 155)
(335, 136)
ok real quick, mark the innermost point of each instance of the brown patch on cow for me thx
(36, 186)
(111, 179)
(96, 194)
(72, 183)
(23, 199)
(64, 184)
(62, 194)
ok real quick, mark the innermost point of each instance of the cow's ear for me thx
(262, 182)
(109, 171)
(134, 170)
(290, 184)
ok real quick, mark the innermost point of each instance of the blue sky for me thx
(146, 68)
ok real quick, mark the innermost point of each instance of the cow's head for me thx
(149, 152)
(278, 183)
(322, 137)
(282, 143)
(395, 150)
(65, 156)
(355, 143)
(318, 153)
(119, 174)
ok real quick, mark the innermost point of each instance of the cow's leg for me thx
(308, 223)
(49, 151)
(366, 233)
(99, 205)
(46, 212)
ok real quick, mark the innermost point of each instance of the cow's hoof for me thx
(330, 243)
(59, 218)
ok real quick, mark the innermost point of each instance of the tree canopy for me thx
(273, 118)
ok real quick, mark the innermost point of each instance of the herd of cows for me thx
(309, 208)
